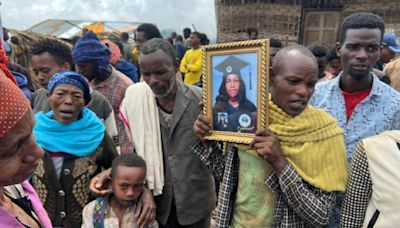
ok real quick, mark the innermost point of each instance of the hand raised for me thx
(268, 147)
(202, 126)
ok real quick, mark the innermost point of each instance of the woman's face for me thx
(19, 153)
(67, 102)
(232, 85)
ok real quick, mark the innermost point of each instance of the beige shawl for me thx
(140, 114)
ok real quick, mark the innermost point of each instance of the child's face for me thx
(127, 184)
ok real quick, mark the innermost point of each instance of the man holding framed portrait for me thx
(290, 174)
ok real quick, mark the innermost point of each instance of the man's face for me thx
(158, 72)
(386, 55)
(45, 66)
(294, 84)
(232, 85)
(140, 39)
(128, 184)
(87, 70)
(194, 40)
(360, 51)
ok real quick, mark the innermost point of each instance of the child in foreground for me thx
(128, 176)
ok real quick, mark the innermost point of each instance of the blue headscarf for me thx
(70, 78)
(89, 49)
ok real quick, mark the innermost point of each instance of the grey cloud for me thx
(167, 14)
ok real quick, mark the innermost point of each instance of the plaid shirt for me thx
(298, 203)
(358, 192)
(113, 88)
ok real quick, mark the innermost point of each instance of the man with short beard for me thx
(160, 113)
(362, 105)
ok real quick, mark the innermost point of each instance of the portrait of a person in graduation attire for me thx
(232, 110)
(222, 122)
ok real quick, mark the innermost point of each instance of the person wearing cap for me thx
(92, 60)
(20, 205)
(222, 122)
(76, 148)
(289, 176)
(232, 100)
(390, 47)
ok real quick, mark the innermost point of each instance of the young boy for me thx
(128, 176)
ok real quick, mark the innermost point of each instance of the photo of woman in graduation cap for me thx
(239, 112)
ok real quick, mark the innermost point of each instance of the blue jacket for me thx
(378, 112)
(128, 69)
(23, 84)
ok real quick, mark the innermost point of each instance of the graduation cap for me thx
(233, 65)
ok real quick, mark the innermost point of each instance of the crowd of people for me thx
(113, 134)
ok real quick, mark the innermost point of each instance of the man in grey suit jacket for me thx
(188, 195)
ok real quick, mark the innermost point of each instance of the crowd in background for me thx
(111, 134)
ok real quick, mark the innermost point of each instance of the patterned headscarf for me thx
(115, 51)
(70, 78)
(89, 49)
(13, 105)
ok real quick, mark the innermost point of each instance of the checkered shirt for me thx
(358, 192)
(298, 203)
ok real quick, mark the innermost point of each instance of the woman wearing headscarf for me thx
(76, 148)
(20, 206)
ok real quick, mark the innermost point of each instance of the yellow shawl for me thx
(314, 145)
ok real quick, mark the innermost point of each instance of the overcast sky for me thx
(167, 14)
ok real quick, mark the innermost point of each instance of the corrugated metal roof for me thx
(66, 29)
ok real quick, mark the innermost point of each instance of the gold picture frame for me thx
(229, 70)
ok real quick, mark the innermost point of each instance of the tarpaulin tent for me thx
(66, 29)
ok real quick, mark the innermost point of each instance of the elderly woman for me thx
(19, 204)
(76, 148)
(290, 174)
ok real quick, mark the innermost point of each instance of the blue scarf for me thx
(79, 138)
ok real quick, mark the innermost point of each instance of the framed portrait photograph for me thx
(235, 89)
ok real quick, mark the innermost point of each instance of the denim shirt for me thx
(378, 112)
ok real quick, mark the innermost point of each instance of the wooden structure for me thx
(297, 21)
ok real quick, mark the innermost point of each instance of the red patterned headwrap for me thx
(13, 105)
(4, 64)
